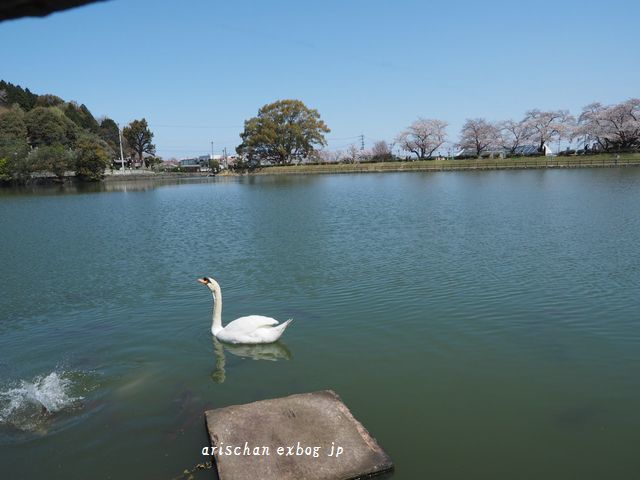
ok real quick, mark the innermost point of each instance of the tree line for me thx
(44, 134)
(286, 132)
(599, 128)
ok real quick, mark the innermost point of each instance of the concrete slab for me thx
(311, 436)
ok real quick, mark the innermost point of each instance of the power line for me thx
(157, 125)
(343, 138)
(181, 149)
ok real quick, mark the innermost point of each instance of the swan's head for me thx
(209, 282)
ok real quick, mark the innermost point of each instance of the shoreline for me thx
(149, 175)
(516, 163)
(438, 166)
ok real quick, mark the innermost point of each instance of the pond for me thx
(479, 324)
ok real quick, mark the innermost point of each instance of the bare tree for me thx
(513, 134)
(548, 126)
(423, 137)
(479, 135)
(611, 127)
(381, 152)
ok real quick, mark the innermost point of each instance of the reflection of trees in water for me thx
(268, 181)
(113, 184)
(109, 185)
(268, 351)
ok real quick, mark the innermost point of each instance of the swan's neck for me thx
(216, 326)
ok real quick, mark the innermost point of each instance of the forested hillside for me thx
(49, 135)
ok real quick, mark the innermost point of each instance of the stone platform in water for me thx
(311, 436)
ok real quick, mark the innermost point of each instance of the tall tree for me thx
(479, 135)
(283, 132)
(423, 137)
(139, 138)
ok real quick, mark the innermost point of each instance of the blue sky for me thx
(197, 69)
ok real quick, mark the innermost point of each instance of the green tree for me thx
(91, 157)
(49, 126)
(139, 138)
(14, 94)
(12, 123)
(81, 116)
(13, 144)
(48, 100)
(109, 132)
(56, 159)
(153, 161)
(14, 153)
(283, 132)
(5, 173)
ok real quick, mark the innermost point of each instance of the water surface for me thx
(480, 324)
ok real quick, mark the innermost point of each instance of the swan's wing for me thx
(252, 329)
(250, 324)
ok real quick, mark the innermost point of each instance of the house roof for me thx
(526, 150)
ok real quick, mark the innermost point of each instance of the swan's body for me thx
(251, 329)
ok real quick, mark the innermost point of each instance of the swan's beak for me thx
(203, 281)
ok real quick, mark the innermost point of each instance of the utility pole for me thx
(361, 141)
(121, 154)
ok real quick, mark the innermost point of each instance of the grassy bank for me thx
(591, 161)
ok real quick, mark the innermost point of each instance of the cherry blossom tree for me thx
(423, 137)
(479, 135)
(328, 156)
(614, 127)
(548, 126)
(513, 135)
(355, 154)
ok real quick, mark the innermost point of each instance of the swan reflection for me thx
(266, 351)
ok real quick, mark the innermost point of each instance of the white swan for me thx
(251, 329)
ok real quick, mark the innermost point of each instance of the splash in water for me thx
(28, 404)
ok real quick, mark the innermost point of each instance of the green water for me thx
(481, 325)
